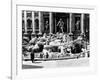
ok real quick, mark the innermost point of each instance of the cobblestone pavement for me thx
(56, 63)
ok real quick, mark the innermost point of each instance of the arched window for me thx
(29, 23)
(36, 25)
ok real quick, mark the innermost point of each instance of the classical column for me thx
(70, 26)
(82, 23)
(25, 21)
(40, 22)
(33, 24)
(70, 23)
(51, 22)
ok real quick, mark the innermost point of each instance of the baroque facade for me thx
(35, 22)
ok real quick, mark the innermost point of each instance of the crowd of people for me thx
(57, 45)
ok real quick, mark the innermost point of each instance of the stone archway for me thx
(29, 23)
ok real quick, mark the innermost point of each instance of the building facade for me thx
(38, 22)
